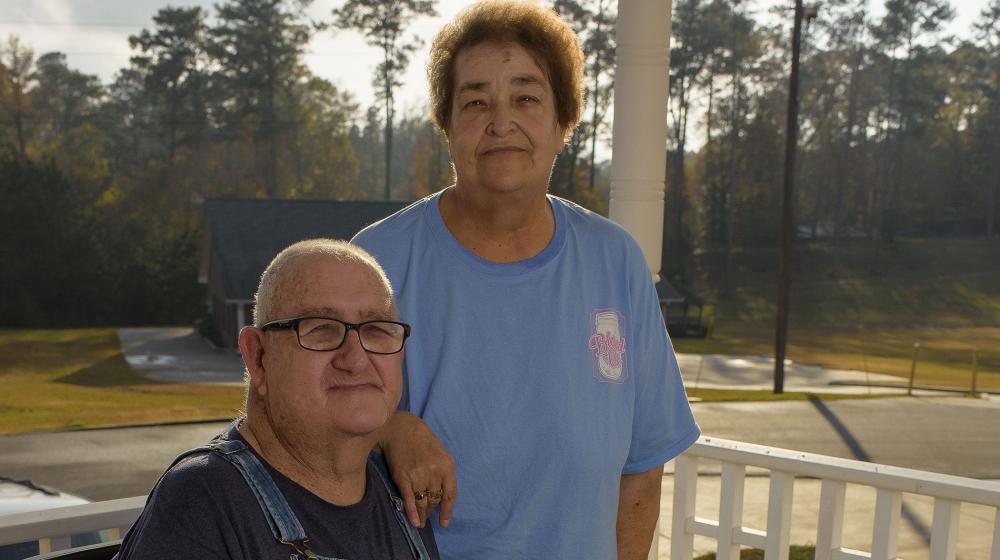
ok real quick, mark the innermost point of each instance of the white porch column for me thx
(639, 138)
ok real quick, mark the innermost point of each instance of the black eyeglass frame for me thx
(293, 324)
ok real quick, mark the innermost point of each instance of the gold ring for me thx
(420, 495)
(434, 494)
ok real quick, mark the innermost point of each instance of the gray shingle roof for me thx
(248, 233)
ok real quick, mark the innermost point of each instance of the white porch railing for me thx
(52, 528)
(890, 483)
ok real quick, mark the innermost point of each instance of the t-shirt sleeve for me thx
(663, 425)
(182, 518)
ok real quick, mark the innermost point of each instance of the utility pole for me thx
(788, 200)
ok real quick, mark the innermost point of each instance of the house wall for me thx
(223, 314)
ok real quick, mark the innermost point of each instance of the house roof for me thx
(247, 233)
(668, 293)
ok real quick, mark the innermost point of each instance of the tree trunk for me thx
(844, 156)
(993, 194)
(22, 145)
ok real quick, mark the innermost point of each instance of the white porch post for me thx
(639, 137)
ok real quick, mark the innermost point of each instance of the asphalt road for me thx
(950, 435)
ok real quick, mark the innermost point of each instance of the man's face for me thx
(348, 389)
(503, 135)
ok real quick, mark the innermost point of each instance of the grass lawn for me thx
(73, 378)
(794, 553)
(944, 358)
(862, 305)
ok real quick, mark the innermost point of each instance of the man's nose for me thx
(351, 356)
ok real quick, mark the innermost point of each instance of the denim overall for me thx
(284, 525)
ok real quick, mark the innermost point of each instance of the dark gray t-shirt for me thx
(203, 508)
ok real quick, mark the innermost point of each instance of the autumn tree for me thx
(174, 64)
(698, 41)
(257, 46)
(384, 23)
(988, 38)
(16, 77)
(900, 33)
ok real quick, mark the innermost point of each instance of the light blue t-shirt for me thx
(547, 379)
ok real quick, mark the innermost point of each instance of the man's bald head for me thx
(274, 282)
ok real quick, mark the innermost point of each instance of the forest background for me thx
(101, 182)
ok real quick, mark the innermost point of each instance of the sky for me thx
(94, 36)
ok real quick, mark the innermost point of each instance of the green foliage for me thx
(795, 552)
(594, 23)
(900, 138)
(46, 245)
(899, 130)
(383, 23)
(71, 263)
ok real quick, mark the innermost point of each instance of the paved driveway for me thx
(179, 355)
(951, 435)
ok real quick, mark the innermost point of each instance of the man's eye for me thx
(321, 329)
(381, 329)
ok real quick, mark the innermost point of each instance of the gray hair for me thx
(274, 275)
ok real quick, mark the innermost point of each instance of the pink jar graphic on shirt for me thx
(607, 343)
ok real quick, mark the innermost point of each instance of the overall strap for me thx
(284, 525)
(417, 548)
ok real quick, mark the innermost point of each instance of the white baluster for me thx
(830, 532)
(995, 554)
(885, 534)
(730, 510)
(685, 491)
(779, 515)
(944, 535)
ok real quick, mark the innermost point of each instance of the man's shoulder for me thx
(191, 511)
(201, 470)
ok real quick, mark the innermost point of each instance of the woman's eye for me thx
(476, 103)
(528, 99)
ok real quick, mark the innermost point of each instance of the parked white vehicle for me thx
(21, 496)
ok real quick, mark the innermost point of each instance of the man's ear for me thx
(252, 348)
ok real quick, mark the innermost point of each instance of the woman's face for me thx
(504, 135)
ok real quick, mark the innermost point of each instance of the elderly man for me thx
(293, 478)
(543, 362)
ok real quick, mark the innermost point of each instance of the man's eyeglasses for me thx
(323, 334)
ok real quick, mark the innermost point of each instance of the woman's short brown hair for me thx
(552, 43)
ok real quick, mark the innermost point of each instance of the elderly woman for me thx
(543, 363)
(293, 478)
